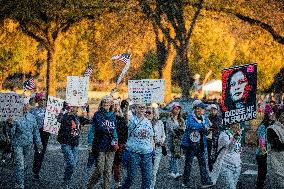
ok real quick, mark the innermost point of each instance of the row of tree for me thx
(55, 38)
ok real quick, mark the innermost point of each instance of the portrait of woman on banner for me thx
(238, 89)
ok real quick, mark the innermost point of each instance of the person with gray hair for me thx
(105, 142)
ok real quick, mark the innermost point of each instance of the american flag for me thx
(125, 57)
(29, 84)
(88, 72)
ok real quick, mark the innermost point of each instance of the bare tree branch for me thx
(252, 21)
(194, 19)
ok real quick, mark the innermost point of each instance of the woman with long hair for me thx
(175, 126)
(159, 139)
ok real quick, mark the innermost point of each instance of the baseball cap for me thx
(201, 105)
(176, 105)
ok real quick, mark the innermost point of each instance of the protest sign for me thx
(146, 90)
(77, 90)
(11, 105)
(53, 108)
(239, 85)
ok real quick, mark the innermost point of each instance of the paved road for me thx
(53, 168)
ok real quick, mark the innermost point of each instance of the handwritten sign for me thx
(53, 108)
(77, 90)
(146, 90)
(11, 105)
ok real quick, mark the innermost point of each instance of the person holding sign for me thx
(25, 132)
(68, 137)
(194, 144)
(175, 126)
(105, 142)
(140, 148)
(39, 113)
(227, 170)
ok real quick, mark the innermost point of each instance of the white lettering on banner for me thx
(240, 115)
(146, 90)
(11, 105)
(53, 108)
(77, 90)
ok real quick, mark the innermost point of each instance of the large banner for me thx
(53, 108)
(239, 85)
(77, 90)
(146, 90)
(11, 105)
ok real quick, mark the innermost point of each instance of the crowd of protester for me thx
(134, 138)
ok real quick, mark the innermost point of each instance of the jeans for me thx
(261, 171)
(157, 159)
(228, 177)
(38, 157)
(21, 152)
(146, 165)
(104, 168)
(174, 165)
(189, 155)
(70, 157)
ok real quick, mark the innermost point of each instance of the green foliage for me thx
(149, 68)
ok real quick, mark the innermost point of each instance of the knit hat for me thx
(268, 110)
(176, 105)
(39, 96)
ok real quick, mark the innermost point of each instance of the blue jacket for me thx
(195, 132)
(105, 131)
(25, 130)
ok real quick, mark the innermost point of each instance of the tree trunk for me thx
(50, 73)
(167, 72)
(183, 73)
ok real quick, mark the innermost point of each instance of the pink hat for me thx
(39, 96)
(176, 105)
(268, 110)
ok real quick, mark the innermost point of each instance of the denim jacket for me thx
(195, 132)
(25, 131)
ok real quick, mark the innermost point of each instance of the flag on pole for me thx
(88, 72)
(125, 58)
(29, 84)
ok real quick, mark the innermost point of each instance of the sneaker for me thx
(17, 186)
(185, 185)
(207, 185)
(117, 184)
(178, 175)
(172, 175)
(36, 177)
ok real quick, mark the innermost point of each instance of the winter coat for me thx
(25, 130)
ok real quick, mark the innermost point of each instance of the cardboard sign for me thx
(146, 90)
(239, 85)
(77, 90)
(11, 105)
(53, 108)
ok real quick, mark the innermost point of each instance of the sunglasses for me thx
(148, 112)
(141, 107)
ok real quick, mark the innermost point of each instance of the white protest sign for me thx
(53, 108)
(146, 90)
(11, 105)
(77, 90)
